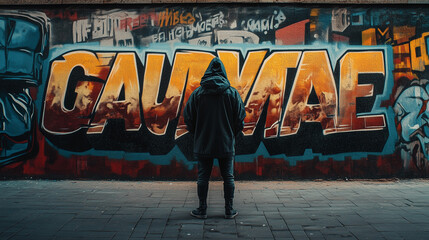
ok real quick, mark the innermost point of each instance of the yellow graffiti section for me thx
(368, 37)
(270, 83)
(314, 72)
(351, 65)
(57, 118)
(157, 115)
(419, 53)
(193, 65)
(122, 76)
(242, 81)
(402, 61)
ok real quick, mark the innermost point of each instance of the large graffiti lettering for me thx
(93, 88)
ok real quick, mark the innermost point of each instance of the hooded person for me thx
(214, 114)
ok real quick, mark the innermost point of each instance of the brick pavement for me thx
(42, 209)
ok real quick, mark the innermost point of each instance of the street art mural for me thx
(330, 92)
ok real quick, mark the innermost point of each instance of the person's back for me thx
(214, 113)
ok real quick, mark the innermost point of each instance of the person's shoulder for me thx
(197, 91)
(233, 91)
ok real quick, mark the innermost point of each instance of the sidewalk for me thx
(42, 209)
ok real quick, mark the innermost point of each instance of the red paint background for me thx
(48, 163)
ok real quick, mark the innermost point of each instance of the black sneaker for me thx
(230, 213)
(199, 213)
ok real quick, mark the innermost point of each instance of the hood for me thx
(214, 79)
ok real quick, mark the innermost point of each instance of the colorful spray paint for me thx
(329, 92)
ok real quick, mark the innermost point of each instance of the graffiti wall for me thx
(329, 91)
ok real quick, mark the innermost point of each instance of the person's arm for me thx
(240, 114)
(189, 113)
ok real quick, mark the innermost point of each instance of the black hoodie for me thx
(214, 113)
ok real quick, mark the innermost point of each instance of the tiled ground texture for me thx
(267, 210)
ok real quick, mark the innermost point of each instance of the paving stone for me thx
(364, 232)
(340, 232)
(314, 234)
(95, 224)
(121, 235)
(84, 234)
(389, 227)
(277, 224)
(282, 234)
(221, 228)
(391, 236)
(414, 235)
(219, 235)
(254, 232)
(352, 220)
(273, 215)
(171, 231)
(387, 219)
(7, 234)
(155, 212)
(157, 226)
(20, 237)
(299, 234)
(339, 237)
(153, 236)
(416, 218)
(288, 214)
(252, 221)
(140, 230)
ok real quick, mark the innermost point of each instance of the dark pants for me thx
(205, 166)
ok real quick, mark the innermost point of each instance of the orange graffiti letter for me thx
(158, 115)
(270, 83)
(123, 78)
(244, 80)
(314, 72)
(351, 65)
(194, 66)
(188, 66)
(419, 56)
(74, 84)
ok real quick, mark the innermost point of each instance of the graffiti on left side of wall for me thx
(24, 44)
